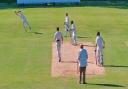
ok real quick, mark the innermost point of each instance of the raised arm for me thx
(16, 12)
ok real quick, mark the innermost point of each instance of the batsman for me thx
(100, 45)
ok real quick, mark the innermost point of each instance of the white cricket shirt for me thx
(58, 36)
(99, 42)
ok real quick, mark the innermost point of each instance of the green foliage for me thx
(8, 1)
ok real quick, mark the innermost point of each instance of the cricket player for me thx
(67, 25)
(100, 44)
(24, 20)
(74, 33)
(82, 60)
(59, 40)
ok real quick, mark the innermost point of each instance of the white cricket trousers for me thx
(67, 29)
(100, 56)
(58, 46)
(26, 24)
(74, 38)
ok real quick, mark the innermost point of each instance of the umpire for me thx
(82, 60)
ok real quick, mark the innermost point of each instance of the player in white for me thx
(24, 20)
(59, 40)
(74, 33)
(100, 44)
(67, 25)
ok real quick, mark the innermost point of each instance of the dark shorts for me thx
(82, 69)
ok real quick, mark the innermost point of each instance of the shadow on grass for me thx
(82, 37)
(107, 85)
(38, 33)
(115, 66)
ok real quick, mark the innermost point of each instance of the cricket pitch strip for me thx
(68, 65)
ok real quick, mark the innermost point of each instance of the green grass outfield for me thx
(25, 58)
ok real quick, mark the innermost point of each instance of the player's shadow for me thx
(116, 66)
(38, 33)
(74, 62)
(90, 62)
(82, 37)
(107, 85)
(89, 45)
(69, 61)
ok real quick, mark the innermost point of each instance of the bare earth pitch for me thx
(69, 66)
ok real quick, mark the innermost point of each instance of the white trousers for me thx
(58, 47)
(74, 38)
(67, 29)
(26, 24)
(67, 26)
(99, 55)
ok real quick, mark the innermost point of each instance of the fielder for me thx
(100, 44)
(67, 25)
(59, 40)
(74, 34)
(24, 20)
